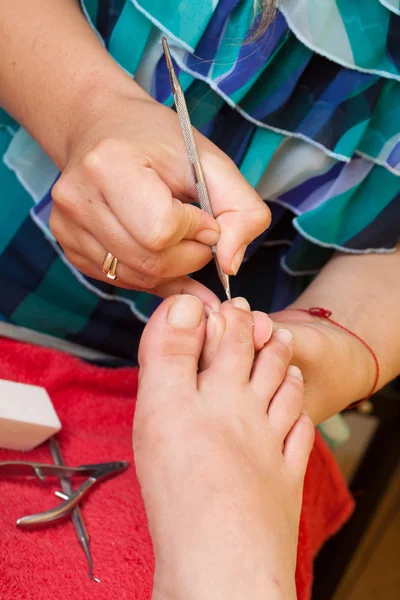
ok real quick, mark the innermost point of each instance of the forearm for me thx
(54, 71)
(363, 293)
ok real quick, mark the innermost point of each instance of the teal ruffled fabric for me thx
(309, 112)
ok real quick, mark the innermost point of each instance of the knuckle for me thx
(152, 265)
(261, 216)
(142, 282)
(75, 259)
(55, 227)
(61, 192)
(160, 234)
(69, 197)
(95, 158)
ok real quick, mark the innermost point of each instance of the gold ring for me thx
(109, 266)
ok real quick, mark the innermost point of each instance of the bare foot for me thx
(220, 455)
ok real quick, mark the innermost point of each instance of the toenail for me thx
(294, 371)
(283, 335)
(212, 324)
(185, 312)
(208, 309)
(241, 303)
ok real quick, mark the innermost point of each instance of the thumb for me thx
(145, 206)
(239, 210)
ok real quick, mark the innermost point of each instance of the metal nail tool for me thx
(193, 155)
(94, 473)
(76, 515)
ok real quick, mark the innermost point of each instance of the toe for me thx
(287, 404)
(234, 357)
(270, 366)
(262, 331)
(214, 332)
(298, 446)
(172, 342)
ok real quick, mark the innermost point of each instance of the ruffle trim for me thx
(392, 5)
(304, 249)
(342, 34)
(372, 131)
(331, 26)
(350, 109)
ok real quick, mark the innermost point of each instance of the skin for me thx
(228, 447)
(97, 125)
(125, 173)
(126, 182)
(364, 296)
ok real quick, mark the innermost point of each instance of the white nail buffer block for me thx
(27, 416)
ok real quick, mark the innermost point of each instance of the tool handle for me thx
(59, 512)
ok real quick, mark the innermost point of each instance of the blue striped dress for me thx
(309, 111)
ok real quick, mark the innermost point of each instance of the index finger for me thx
(239, 210)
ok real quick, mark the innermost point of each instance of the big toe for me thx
(171, 344)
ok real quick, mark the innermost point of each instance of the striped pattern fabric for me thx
(309, 111)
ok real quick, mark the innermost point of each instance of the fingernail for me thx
(241, 303)
(186, 312)
(294, 371)
(283, 335)
(237, 259)
(209, 237)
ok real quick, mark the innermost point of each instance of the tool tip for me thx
(167, 53)
(92, 577)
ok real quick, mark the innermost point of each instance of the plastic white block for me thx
(27, 416)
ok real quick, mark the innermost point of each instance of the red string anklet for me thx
(323, 313)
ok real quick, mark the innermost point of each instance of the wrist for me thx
(96, 102)
(338, 369)
(355, 348)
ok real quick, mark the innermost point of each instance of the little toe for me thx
(287, 404)
(298, 446)
(172, 342)
(270, 366)
(234, 357)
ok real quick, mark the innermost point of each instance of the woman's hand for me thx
(126, 189)
(337, 368)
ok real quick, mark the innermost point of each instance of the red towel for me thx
(96, 408)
